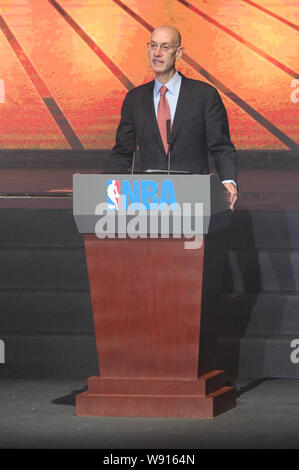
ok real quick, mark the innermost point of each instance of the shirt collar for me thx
(172, 85)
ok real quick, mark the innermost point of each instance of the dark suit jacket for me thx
(200, 125)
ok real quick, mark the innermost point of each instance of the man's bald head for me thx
(169, 31)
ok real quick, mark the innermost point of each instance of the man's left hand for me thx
(233, 194)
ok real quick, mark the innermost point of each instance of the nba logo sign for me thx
(140, 194)
(113, 194)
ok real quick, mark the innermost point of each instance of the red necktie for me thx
(163, 115)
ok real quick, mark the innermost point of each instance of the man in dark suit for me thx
(194, 110)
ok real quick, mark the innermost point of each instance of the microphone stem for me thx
(168, 131)
(134, 158)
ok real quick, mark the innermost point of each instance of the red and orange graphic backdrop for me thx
(66, 66)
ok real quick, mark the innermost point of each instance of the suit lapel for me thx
(185, 100)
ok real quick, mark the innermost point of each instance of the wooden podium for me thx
(153, 302)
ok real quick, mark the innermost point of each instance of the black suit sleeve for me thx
(218, 138)
(120, 159)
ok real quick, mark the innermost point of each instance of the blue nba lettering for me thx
(140, 194)
(131, 194)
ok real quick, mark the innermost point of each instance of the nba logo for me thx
(113, 194)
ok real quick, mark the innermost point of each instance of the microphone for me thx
(168, 125)
(136, 147)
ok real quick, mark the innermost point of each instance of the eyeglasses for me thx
(164, 47)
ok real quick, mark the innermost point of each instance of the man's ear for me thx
(179, 53)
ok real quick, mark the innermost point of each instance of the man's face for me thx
(163, 61)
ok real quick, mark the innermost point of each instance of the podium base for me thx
(205, 397)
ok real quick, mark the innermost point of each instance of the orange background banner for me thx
(66, 66)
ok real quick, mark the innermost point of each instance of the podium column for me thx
(147, 306)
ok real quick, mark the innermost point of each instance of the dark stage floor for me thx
(41, 414)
